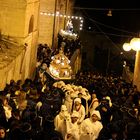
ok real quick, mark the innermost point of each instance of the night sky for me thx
(122, 25)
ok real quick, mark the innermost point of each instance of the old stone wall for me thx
(49, 25)
(19, 24)
(22, 23)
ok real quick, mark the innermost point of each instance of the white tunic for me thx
(94, 104)
(60, 123)
(68, 102)
(72, 131)
(90, 130)
(81, 111)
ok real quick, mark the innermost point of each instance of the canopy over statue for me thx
(60, 66)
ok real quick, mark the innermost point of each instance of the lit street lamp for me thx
(135, 45)
(127, 46)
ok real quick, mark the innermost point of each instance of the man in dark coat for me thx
(49, 132)
(105, 111)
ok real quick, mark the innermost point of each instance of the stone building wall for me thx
(49, 26)
(19, 23)
(22, 23)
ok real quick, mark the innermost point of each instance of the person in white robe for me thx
(73, 127)
(80, 109)
(91, 127)
(85, 97)
(60, 121)
(68, 100)
(94, 102)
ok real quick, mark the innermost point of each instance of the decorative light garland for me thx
(65, 16)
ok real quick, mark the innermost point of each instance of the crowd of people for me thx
(70, 44)
(91, 107)
(97, 108)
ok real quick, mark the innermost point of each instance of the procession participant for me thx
(85, 97)
(80, 109)
(60, 120)
(91, 127)
(105, 111)
(68, 100)
(94, 103)
(73, 127)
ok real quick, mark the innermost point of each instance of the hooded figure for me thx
(68, 100)
(91, 127)
(105, 111)
(73, 127)
(94, 103)
(80, 109)
(60, 120)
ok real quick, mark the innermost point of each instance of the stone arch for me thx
(31, 24)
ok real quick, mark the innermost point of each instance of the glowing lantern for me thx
(127, 46)
(135, 43)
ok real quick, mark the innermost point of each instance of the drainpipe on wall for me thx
(54, 22)
(66, 9)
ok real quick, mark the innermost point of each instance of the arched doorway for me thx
(31, 24)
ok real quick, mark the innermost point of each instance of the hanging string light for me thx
(65, 16)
